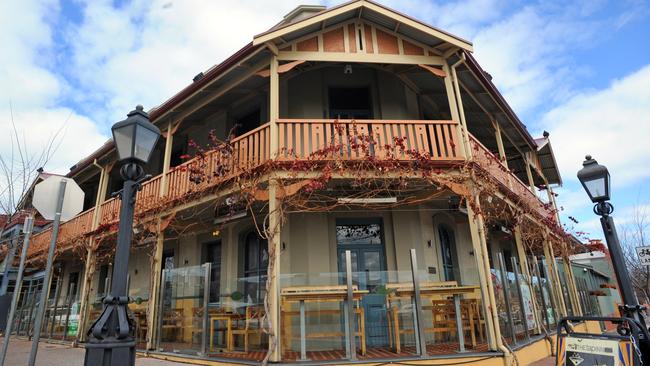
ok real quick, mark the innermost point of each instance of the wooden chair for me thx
(197, 323)
(252, 325)
(173, 320)
(141, 325)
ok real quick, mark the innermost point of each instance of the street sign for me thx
(46, 194)
(644, 255)
(578, 351)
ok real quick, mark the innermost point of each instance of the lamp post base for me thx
(110, 354)
(110, 338)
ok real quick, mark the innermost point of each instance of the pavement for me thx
(50, 354)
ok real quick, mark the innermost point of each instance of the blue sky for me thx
(580, 70)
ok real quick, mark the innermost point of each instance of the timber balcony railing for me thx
(298, 139)
(493, 165)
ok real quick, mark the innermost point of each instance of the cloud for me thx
(612, 124)
(31, 92)
(144, 52)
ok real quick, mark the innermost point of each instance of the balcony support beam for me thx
(169, 141)
(461, 111)
(529, 173)
(571, 285)
(479, 244)
(453, 107)
(274, 104)
(89, 274)
(525, 270)
(274, 231)
(156, 268)
(556, 289)
(91, 262)
(502, 150)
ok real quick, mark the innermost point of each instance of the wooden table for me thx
(227, 317)
(328, 293)
(407, 291)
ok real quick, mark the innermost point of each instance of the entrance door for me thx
(364, 240)
(448, 253)
(213, 256)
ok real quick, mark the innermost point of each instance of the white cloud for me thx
(145, 52)
(611, 124)
(31, 92)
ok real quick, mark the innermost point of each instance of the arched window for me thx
(256, 261)
(447, 251)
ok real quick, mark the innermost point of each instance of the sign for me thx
(46, 194)
(575, 351)
(644, 255)
(528, 306)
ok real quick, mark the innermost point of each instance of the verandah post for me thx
(156, 259)
(479, 245)
(523, 263)
(274, 228)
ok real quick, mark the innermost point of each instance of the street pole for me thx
(45, 294)
(29, 225)
(616, 253)
(110, 340)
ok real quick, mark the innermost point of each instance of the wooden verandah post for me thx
(275, 220)
(156, 259)
(91, 260)
(479, 244)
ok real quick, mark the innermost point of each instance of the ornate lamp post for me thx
(110, 338)
(596, 181)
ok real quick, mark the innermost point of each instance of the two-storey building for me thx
(348, 186)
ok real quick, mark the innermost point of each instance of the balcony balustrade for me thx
(301, 139)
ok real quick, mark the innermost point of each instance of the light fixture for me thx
(595, 180)
(347, 69)
(135, 137)
(227, 218)
(367, 200)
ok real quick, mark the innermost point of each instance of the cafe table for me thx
(429, 291)
(320, 294)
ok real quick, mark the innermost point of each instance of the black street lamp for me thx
(110, 338)
(596, 181)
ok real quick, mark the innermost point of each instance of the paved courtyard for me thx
(61, 355)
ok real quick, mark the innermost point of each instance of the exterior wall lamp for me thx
(111, 336)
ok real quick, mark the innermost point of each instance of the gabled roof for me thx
(371, 11)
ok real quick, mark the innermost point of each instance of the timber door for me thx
(364, 240)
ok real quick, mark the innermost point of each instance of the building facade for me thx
(349, 186)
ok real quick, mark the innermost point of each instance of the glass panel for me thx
(383, 312)
(123, 138)
(236, 322)
(145, 141)
(139, 292)
(180, 326)
(596, 187)
(451, 310)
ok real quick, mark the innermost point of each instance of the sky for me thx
(579, 70)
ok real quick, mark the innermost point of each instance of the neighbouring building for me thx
(353, 139)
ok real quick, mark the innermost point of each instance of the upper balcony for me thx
(309, 140)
